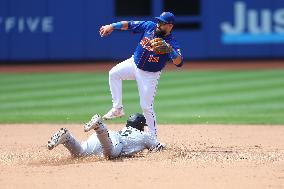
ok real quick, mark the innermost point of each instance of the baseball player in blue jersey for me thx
(157, 46)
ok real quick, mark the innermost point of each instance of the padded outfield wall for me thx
(205, 29)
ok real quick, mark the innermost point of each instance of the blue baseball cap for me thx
(167, 17)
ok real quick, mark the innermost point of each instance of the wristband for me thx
(174, 54)
(117, 25)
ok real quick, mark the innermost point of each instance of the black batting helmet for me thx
(137, 121)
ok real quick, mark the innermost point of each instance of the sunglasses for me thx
(161, 23)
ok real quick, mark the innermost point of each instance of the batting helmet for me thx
(137, 121)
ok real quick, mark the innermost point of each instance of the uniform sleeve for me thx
(138, 26)
(150, 142)
(176, 47)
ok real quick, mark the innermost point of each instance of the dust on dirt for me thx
(197, 156)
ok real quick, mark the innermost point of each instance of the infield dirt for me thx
(197, 156)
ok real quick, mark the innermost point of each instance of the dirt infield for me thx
(106, 66)
(198, 156)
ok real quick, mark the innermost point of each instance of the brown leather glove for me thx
(160, 46)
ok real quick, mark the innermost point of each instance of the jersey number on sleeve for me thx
(126, 132)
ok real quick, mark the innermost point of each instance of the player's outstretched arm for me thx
(152, 143)
(108, 29)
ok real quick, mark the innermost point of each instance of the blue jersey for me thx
(144, 56)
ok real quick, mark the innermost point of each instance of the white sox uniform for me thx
(126, 142)
(135, 141)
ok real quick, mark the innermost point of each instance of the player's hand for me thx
(158, 148)
(106, 30)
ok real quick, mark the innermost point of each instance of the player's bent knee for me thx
(113, 74)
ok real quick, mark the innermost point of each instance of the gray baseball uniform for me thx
(126, 142)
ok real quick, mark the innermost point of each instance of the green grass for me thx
(227, 97)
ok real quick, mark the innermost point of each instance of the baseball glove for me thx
(160, 46)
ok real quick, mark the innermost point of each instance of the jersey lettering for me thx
(144, 42)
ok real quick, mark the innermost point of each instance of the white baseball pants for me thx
(103, 143)
(147, 83)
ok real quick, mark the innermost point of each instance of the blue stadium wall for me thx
(68, 29)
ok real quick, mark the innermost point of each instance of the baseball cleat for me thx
(114, 113)
(93, 123)
(59, 137)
